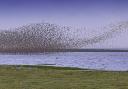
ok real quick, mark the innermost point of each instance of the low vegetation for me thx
(45, 77)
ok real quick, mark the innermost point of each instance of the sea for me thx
(108, 61)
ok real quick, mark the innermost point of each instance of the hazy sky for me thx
(77, 13)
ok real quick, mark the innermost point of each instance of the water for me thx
(114, 61)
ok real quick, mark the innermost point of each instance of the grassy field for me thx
(43, 77)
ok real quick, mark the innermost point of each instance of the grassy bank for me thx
(43, 77)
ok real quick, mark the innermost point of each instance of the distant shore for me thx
(64, 50)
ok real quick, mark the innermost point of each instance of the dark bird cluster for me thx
(35, 38)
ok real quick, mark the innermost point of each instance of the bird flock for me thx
(41, 37)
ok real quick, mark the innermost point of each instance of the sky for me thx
(75, 13)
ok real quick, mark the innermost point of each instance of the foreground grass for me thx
(43, 77)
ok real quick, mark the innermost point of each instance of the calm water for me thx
(117, 61)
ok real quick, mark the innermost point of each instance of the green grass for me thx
(45, 77)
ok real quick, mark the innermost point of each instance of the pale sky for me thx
(75, 13)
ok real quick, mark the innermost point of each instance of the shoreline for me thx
(43, 66)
